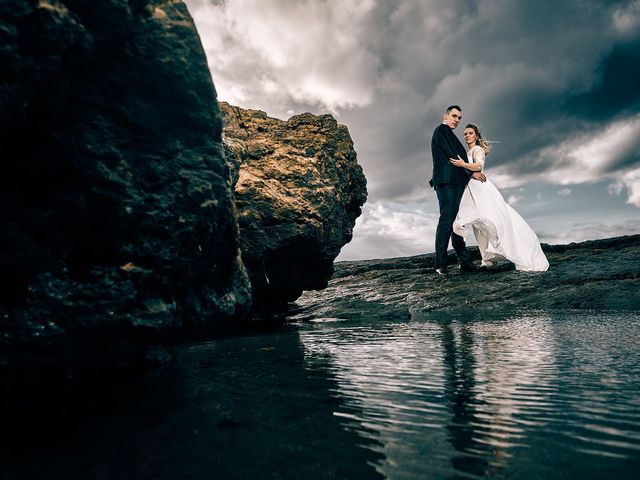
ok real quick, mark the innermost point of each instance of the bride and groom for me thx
(467, 200)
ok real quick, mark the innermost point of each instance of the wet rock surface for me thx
(594, 275)
(298, 193)
(117, 227)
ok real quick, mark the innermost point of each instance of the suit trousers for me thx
(449, 195)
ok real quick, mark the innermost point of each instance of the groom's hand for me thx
(479, 176)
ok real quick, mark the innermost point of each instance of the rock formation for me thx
(594, 275)
(116, 221)
(298, 193)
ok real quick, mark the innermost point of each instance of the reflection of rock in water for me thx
(237, 408)
(438, 395)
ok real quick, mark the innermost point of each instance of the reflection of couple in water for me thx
(468, 200)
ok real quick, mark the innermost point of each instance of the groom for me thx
(449, 182)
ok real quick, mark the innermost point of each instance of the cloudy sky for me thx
(556, 83)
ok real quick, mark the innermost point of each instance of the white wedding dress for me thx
(499, 230)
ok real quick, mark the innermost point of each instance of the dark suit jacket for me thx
(445, 145)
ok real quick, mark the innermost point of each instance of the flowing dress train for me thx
(499, 230)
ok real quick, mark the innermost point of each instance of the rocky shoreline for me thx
(593, 275)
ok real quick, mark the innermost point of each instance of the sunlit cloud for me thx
(385, 231)
(513, 199)
(613, 152)
(297, 52)
(626, 18)
(631, 182)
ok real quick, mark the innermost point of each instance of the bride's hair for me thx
(481, 142)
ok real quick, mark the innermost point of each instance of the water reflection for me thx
(438, 397)
(235, 408)
(472, 450)
(484, 398)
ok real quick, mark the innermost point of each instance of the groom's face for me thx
(452, 118)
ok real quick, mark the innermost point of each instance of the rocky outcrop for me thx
(116, 220)
(593, 275)
(298, 193)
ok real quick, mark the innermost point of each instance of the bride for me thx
(499, 230)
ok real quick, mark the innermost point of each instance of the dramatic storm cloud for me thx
(555, 84)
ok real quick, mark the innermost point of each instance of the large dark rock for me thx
(116, 216)
(594, 275)
(298, 193)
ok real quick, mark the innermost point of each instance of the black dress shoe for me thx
(471, 268)
(442, 271)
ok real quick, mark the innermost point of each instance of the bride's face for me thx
(470, 136)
